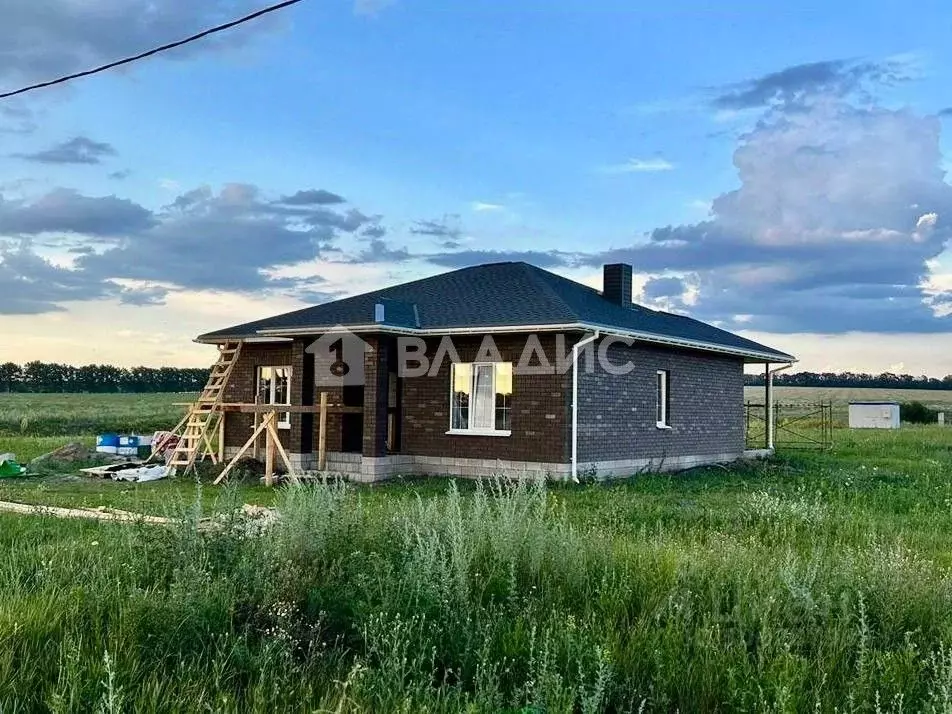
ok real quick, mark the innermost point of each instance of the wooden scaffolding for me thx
(204, 416)
(266, 421)
(208, 414)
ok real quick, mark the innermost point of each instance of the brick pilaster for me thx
(301, 437)
(376, 384)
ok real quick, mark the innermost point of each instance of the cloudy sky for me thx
(779, 173)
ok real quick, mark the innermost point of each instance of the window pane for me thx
(264, 385)
(462, 376)
(483, 411)
(503, 395)
(660, 398)
(274, 387)
(282, 391)
(667, 397)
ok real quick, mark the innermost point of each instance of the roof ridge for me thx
(382, 292)
(541, 277)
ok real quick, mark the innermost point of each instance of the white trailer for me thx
(874, 415)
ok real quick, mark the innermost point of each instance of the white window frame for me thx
(661, 394)
(284, 418)
(470, 431)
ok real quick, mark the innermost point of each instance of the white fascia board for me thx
(255, 340)
(754, 355)
(421, 331)
(772, 357)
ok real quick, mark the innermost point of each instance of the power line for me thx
(155, 51)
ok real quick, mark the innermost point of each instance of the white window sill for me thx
(662, 425)
(479, 432)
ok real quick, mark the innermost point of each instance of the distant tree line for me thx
(53, 377)
(886, 380)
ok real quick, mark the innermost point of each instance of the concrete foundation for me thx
(371, 469)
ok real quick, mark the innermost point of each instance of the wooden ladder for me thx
(204, 415)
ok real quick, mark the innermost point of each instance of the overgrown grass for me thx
(65, 414)
(816, 582)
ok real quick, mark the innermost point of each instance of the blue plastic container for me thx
(107, 443)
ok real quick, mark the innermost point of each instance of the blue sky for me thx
(778, 172)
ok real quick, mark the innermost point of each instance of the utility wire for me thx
(155, 51)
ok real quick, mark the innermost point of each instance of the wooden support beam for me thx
(221, 438)
(289, 409)
(276, 442)
(332, 408)
(111, 514)
(241, 452)
(272, 444)
(268, 451)
(208, 448)
(255, 422)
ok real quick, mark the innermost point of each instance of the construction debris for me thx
(136, 472)
(257, 519)
(164, 444)
(69, 454)
(9, 468)
(100, 514)
(252, 521)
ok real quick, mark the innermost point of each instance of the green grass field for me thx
(841, 397)
(87, 414)
(819, 581)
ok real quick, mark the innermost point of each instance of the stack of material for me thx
(66, 457)
(164, 444)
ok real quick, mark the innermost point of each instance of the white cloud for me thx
(634, 166)
(927, 220)
(823, 217)
(483, 207)
(925, 226)
(936, 286)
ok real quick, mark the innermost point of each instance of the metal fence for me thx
(795, 426)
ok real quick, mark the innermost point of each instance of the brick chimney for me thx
(616, 283)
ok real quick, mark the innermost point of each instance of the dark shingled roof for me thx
(496, 295)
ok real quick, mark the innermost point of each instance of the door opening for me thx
(352, 425)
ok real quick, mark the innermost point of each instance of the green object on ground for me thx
(10, 468)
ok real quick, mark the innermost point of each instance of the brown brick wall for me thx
(616, 417)
(539, 410)
(243, 382)
(376, 376)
